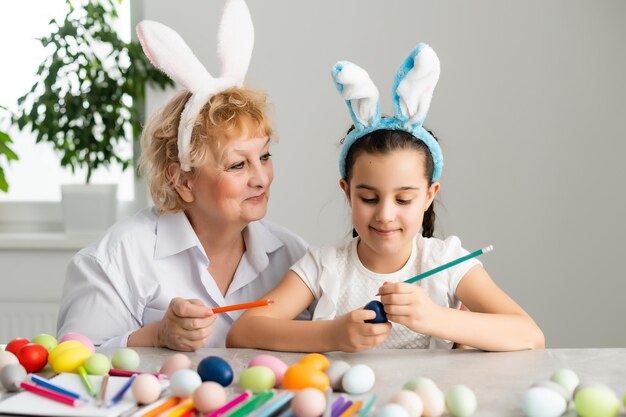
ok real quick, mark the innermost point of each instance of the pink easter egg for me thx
(146, 388)
(276, 365)
(79, 338)
(308, 402)
(209, 396)
(174, 363)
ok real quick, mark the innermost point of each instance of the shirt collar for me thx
(174, 234)
(260, 241)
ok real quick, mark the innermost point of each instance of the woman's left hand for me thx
(408, 304)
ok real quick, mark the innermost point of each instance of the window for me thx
(35, 179)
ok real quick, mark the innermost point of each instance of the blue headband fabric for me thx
(413, 88)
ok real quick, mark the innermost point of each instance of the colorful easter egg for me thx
(300, 376)
(308, 402)
(567, 379)
(174, 363)
(97, 364)
(257, 379)
(335, 372)
(358, 379)
(378, 308)
(276, 365)
(6, 358)
(460, 401)
(79, 338)
(146, 388)
(12, 375)
(543, 402)
(392, 410)
(16, 344)
(126, 359)
(214, 368)
(208, 397)
(596, 402)
(184, 382)
(410, 401)
(33, 357)
(68, 356)
(316, 360)
(46, 340)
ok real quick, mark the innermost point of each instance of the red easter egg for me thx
(16, 344)
(33, 357)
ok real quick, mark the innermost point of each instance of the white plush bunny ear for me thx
(168, 52)
(235, 40)
(414, 85)
(359, 92)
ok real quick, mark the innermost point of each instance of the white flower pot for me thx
(88, 208)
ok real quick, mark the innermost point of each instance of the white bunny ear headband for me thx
(413, 88)
(168, 52)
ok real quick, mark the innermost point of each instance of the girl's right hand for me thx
(186, 325)
(353, 334)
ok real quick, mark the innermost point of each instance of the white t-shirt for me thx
(128, 278)
(340, 283)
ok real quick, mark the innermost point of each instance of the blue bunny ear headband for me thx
(413, 88)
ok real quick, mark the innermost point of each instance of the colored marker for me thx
(169, 403)
(118, 397)
(343, 408)
(230, 405)
(273, 405)
(183, 407)
(52, 395)
(122, 372)
(339, 402)
(103, 390)
(260, 303)
(53, 387)
(86, 381)
(449, 264)
(252, 405)
(368, 406)
(350, 411)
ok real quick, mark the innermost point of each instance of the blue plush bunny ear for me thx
(359, 92)
(414, 84)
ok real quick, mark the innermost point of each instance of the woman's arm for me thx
(273, 327)
(494, 321)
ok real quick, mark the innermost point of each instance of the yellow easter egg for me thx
(70, 359)
(62, 347)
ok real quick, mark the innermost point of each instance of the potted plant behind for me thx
(86, 102)
(7, 153)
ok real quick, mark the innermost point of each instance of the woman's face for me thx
(234, 188)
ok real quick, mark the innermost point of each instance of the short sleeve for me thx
(309, 269)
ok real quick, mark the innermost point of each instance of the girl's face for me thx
(388, 194)
(234, 189)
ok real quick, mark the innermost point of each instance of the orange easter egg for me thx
(317, 360)
(302, 375)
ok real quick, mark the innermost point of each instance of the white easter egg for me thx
(553, 386)
(335, 372)
(358, 380)
(543, 402)
(392, 410)
(410, 401)
(184, 382)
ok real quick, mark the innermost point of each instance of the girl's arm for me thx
(273, 327)
(494, 321)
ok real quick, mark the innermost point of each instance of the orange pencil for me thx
(253, 304)
(352, 409)
(172, 402)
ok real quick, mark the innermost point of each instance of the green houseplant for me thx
(6, 153)
(89, 91)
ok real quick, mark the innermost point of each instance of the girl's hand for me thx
(408, 304)
(352, 334)
(186, 325)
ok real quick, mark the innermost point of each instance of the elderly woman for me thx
(153, 279)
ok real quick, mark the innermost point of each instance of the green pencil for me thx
(252, 404)
(449, 264)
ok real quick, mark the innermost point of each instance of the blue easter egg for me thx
(216, 369)
(378, 308)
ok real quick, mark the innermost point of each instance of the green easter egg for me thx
(460, 401)
(596, 402)
(567, 379)
(45, 340)
(412, 384)
(257, 379)
(97, 364)
(126, 359)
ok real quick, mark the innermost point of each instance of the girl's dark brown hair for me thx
(385, 141)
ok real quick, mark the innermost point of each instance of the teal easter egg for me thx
(257, 379)
(567, 379)
(126, 359)
(543, 402)
(97, 364)
(596, 402)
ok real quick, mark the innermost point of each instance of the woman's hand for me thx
(186, 325)
(352, 334)
(408, 304)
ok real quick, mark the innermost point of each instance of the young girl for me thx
(390, 169)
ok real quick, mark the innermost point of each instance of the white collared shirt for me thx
(127, 279)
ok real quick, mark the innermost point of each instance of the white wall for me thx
(529, 109)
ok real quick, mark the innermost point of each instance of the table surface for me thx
(499, 379)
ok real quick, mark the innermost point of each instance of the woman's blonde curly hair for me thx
(225, 115)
